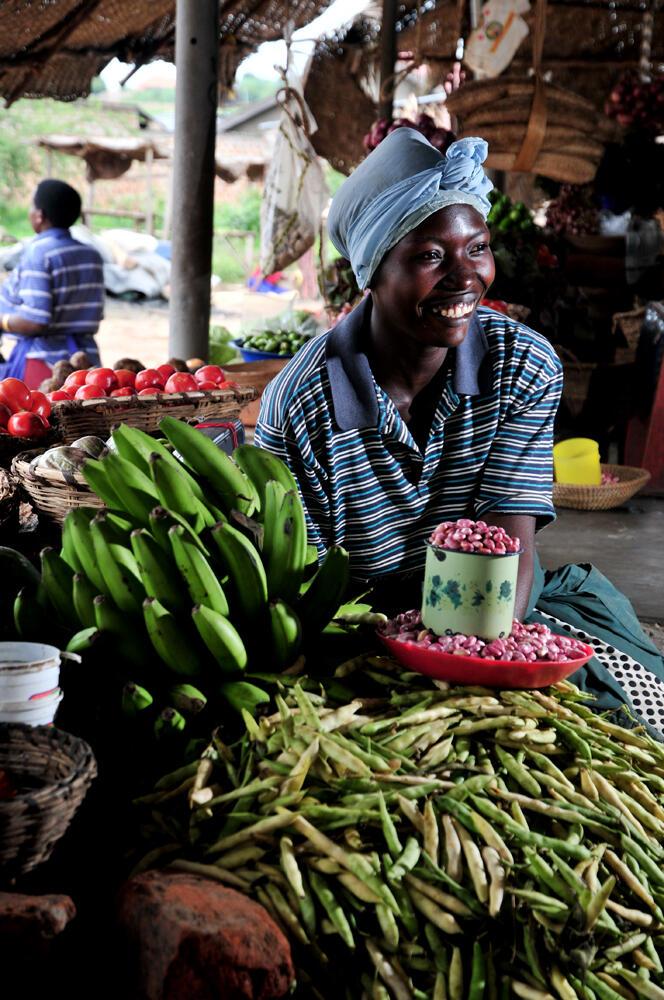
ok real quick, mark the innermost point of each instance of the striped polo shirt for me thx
(365, 483)
(58, 282)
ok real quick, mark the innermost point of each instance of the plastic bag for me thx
(295, 190)
(493, 43)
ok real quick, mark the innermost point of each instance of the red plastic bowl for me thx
(475, 670)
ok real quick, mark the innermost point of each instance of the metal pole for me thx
(388, 57)
(197, 62)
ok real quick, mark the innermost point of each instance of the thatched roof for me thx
(52, 49)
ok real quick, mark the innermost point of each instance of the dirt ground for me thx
(140, 329)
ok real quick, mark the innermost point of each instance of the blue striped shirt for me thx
(59, 283)
(365, 483)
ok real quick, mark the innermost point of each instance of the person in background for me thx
(53, 301)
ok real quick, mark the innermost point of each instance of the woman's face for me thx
(429, 285)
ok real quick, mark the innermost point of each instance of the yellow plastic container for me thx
(577, 461)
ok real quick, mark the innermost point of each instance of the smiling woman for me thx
(423, 406)
(419, 407)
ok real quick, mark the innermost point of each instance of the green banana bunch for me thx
(169, 723)
(157, 571)
(160, 522)
(234, 488)
(171, 643)
(68, 550)
(15, 571)
(221, 638)
(246, 573)
(261, 467)
(83, 595)
(57, 581)
(134, 492)
(187, 699)
(175, 494)
(118, 567)
(325, 592)
(201, 580)
(29, 608)
(135, 699)
(77, 527)
(243, 695)
(85, 640)
(129, 642)
(286, 633)
(284, 541)
(136, 446)
(97, 475)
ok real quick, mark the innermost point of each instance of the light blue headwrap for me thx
(400, 184)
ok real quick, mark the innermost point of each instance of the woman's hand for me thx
(523, 526)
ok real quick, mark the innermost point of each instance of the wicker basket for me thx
(627, 327)
(582, 497)
(52, 772)
(50, 492)
(77, 417)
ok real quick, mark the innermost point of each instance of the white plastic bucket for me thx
(27, 669)
(38, 711)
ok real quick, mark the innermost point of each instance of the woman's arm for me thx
(523, 526)
(13, 323)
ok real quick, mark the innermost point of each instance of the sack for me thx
(295, 190)
(493, 44)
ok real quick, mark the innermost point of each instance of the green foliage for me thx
(251, 88)
(97, 86)
(221, 350)
(243, 214)
(153, 95)
(14, 164)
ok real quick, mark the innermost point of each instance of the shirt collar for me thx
(55, 232)
(351, 380)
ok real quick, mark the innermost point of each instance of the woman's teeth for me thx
(453, 312)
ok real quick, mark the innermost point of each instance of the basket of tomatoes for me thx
(95, 400)
(25, 419)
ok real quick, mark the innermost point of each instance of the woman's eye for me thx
(431, 255)
(480, 247)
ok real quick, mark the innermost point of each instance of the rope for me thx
(534, 137)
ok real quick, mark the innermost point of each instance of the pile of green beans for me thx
(434, 842)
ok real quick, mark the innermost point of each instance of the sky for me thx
(263, 61)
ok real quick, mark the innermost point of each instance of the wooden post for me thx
(388, 57)
(196, 88)
(149, 218)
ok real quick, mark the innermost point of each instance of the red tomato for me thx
(105, 378)
(14, 394)
(207, 385)
(26, 424)
(76, 379)
(166, 371)
(125, 378)
(150, 390)
(5, 414)
(149, 378)
(40, 403)
(181, 382)
(58, 395)
(210, 373)
(90, 392)
(228, 385)
(124, 390)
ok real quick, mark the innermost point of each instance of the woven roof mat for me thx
(55, 49)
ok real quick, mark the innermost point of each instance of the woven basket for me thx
(627, 326)
(576, 379)
(50, 493)
(582, 497)
(77, 417)
(52, 772)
